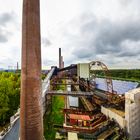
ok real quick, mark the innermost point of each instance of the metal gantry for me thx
(106, 72)
(69, 93)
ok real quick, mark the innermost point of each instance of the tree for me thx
(9, 95)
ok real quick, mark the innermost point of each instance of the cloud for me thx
(7, 61)
(129, 2)
(130, 49)
(46, 42)
(95, 30)
(48, 62)
(3, 36)
(104, 39)
(5, 18)
(111, 35)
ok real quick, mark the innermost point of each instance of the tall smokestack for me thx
(17, 66)
(59, 57)
(62, 62)
(31, 120)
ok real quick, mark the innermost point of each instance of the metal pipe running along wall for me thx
(31, 121)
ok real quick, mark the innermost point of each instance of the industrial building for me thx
(114, 104)
(95, 108)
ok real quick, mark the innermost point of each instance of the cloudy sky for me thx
(86, 30)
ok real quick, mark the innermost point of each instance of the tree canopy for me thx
(122, 74)
(9, 95)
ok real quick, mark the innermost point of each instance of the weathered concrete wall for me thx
(83, 70)
(113, 115)
(132, 113)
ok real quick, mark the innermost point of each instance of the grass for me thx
(55, 117)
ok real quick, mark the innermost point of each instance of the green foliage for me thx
(61, 87)
(122, 74)
(58, 104)
(9, 95)
(43, 76)
(55, 117)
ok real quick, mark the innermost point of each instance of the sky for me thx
(86, 30)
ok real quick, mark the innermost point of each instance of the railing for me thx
(46, 83)
(45, 88)
(69, 93)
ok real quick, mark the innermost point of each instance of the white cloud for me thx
(78, 27)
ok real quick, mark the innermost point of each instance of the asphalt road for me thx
(13, 134)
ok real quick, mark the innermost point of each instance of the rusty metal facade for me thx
(106, 72)
(31, 120)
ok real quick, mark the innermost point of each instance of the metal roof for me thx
(119, 86)
(79, 117)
